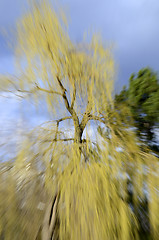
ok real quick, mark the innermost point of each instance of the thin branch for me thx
(57, 127)
(63, 119)
(96, 118)
(86, 115)
(67, 105)
(73, 97)
(1, 95)
(88, 110)
(34, 90)
(58, 120)
(69, 139)
(58, 140)
(61, 85)
(46, 90)
(71, 111)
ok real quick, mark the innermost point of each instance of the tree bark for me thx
(78, 135)
(50, 218)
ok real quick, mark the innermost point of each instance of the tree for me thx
(142, 97)
(20, 198)
(85, 180)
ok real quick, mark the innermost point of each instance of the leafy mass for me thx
(74, 187)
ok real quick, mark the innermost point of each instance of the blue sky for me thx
(131, 25)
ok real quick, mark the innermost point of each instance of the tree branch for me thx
(60, 84)
(53, 217)
(59, 140)
(96, 118)
(63, 89)
(64, 96)
(85, 118)
(63, 119)
(73, 97)
(68, 107)
(47, 91)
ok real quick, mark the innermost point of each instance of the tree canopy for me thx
(142, 96)
(86, 182)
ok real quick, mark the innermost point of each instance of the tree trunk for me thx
(46, 231)
(78, 135)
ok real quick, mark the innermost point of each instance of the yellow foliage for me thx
(90, 179)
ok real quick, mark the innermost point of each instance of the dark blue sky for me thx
(131, 25)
